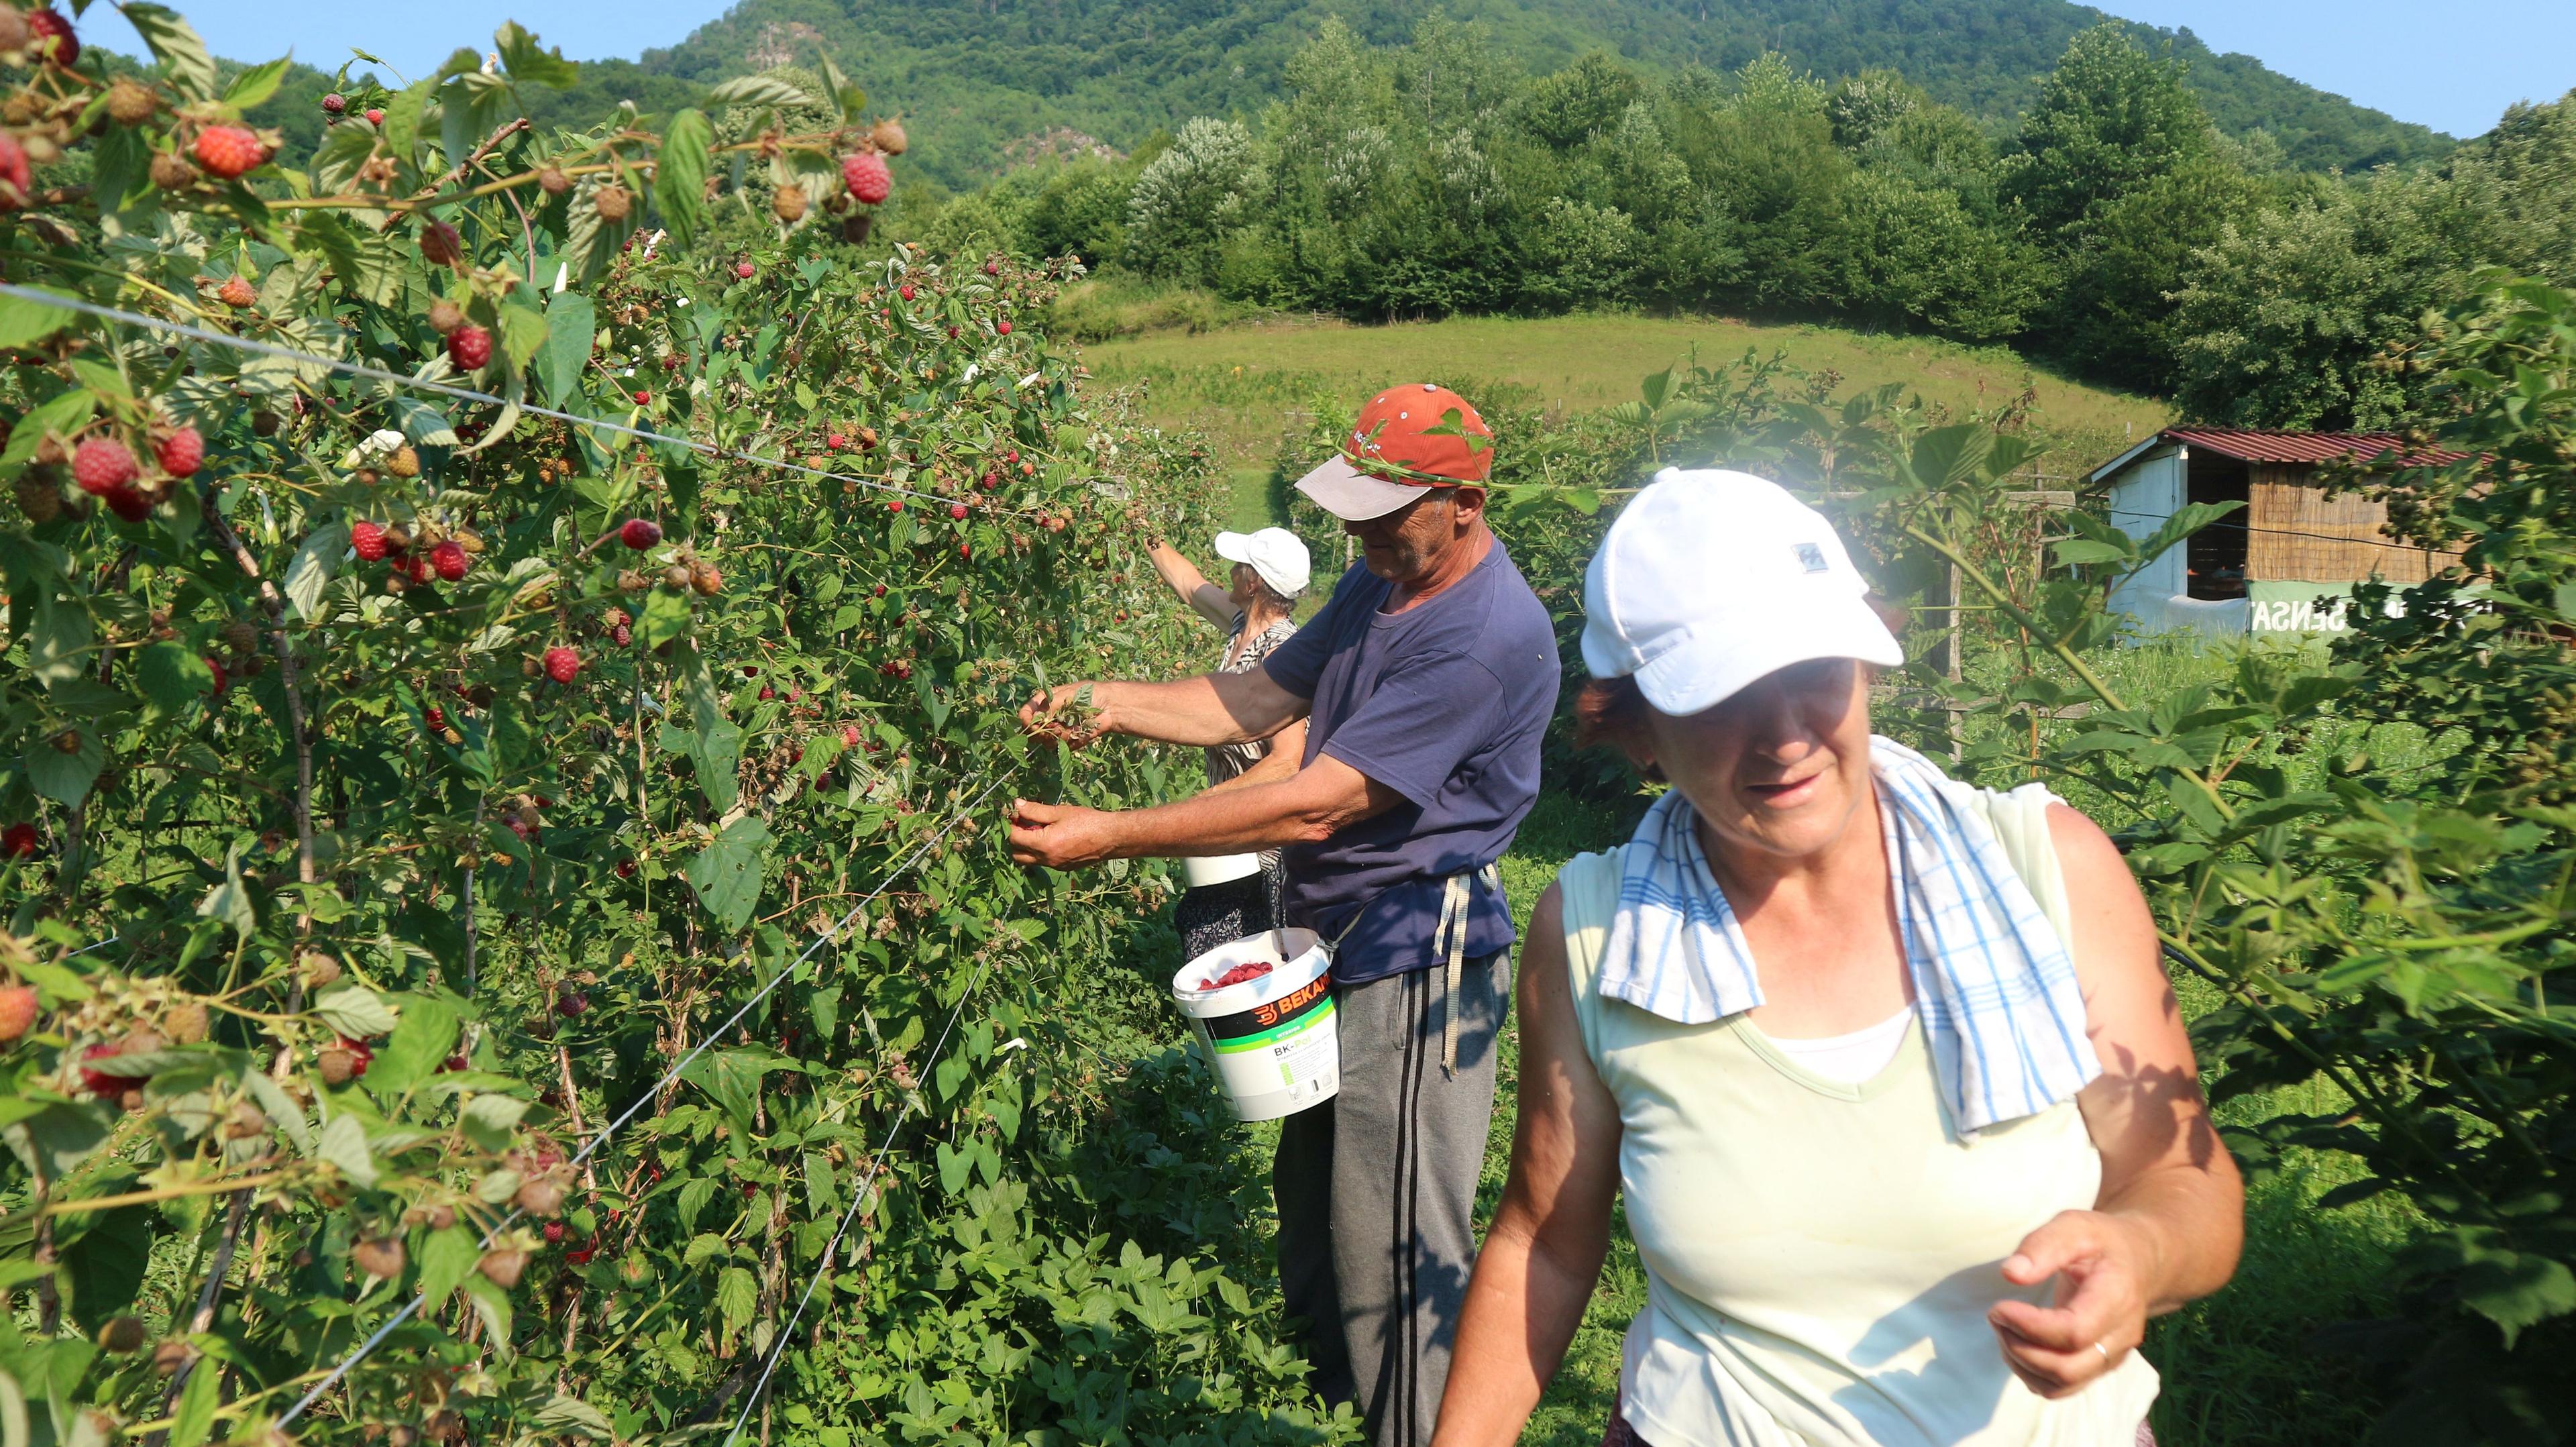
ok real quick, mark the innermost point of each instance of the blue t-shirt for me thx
(1445, 704)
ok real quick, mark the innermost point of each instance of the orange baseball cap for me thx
(1408, 440)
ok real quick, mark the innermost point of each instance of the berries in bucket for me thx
(1237, 974)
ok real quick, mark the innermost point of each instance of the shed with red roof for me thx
(2286, 560)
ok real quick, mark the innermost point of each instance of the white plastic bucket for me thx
(1271, 1041)
(1198, 872)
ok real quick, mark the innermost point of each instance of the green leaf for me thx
(58, 645)
(195, 1416)
(446, 1259)
(62, 777)
(422, 1039)
(727, 873)
(523, 333)
(529, 65)
(489, 1118)
(664, 616)
(230, 901)
(343, 1143)
(402, 121)
(704, 1247)
(105, 1266)
(571, 322)
(2517, 1290)
(356, 1012)
(564, 1416)
(23, 323)
(310, 570)
(281, 1109)
(254, 86)
(182, 54)
(737, 1297)
(173, 675)
(759, 90)
(680, 174)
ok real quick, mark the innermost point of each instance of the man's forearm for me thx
(1186, 711)
(1226, 821)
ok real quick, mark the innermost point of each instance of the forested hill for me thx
(976, 75)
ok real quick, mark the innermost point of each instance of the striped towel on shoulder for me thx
(1993, 984)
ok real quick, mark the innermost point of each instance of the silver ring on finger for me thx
(2105, 1351)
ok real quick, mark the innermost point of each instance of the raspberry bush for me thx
(401, 785)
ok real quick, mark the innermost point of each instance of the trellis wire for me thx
(462, 394)
(378, 1336)
(858, 1200)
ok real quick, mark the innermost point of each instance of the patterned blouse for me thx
(1225, 761)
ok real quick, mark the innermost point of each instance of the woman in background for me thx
(1885, 1065)
(1270, 571)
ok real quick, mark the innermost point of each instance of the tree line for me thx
(2115, 230)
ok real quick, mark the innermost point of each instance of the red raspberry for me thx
(419, 568)
(469, 347)
(440, 245)
(16, 179)
(1011, 456)
(640, 533)
(334, 104)
(17, 1002)
(965, 552)
(621, 635)
(643, 399)
(743, 269)
(236, 292)
(375, 117)
(895, 506)
(19, 840)
(849, 740)
(580, 1255)
(50, 37)
(369, 540)
(992, 268)
(865, 173)
(957, 509)
(102, 465)
(181, 453)
(517, 825)
(450, 560)
(767, 693)
(129, 504)
(626, 869)
(904, 291)
(222, 680)
(563, 665)
(434, 716)
(229, 151)
(1002, 327)
(835, 441)
(99, 1082)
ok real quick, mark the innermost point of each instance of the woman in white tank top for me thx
(1887, 1069)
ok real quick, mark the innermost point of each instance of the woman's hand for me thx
(1059, 836)
(2102, 1262)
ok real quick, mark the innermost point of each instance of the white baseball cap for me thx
(1711, 579)
(1275, 553)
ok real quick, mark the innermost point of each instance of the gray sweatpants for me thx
(1377, 1194)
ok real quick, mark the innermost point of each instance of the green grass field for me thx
(1237, 381)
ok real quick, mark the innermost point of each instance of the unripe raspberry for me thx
(440, 245)
(788, 203)
(181, 453)
(676, 577)
(865, 173)
(404, 463)
(450, 560)
(171, 171)
(229, 151)
(612, 202)
(369, 540)
(445, 316)
(640, 533)
(102, 465)
(40, 494)
(236, 292)
(563, 665)
(129, 102)
(552, 181)
(469, 347)
(890, 138)
(706, 579)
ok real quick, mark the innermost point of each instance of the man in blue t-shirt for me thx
(1426, 684)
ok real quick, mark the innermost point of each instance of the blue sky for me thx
(2450, 64)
